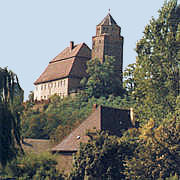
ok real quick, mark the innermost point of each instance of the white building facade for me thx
(64, 73)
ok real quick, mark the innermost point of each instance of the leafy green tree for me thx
(175, 177)
(30, 102)
(54, 119)
(102, 79)
(11, 95)
(102, 157)
(129, 82)
(34, 166)
(157, 66)
(157, 155)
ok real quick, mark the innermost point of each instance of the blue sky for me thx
(32, 32)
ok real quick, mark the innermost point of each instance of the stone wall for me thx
(108, 42)
(116, 121)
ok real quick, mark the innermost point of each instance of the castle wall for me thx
(98, 47)
(114, 47)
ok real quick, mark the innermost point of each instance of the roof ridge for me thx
(68, 53)
(75, 129)
(108, 20)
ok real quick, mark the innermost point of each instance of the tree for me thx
(34, 166)
(157, 155)
(156, 75)
(54, 118)
(102, 78)
(128, 74)
(11, 95)
(102, 157)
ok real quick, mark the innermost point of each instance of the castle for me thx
(64, 73)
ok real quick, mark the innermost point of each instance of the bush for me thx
(33, 166)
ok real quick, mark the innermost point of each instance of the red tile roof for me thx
(61, 66)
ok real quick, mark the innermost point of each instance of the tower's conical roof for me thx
(108, 21)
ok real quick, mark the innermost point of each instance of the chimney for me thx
(71, 45)
(94, 107)
(132, 116)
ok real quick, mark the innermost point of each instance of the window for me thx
(45, 86)
(41, 87)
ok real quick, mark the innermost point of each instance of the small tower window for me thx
(98, 30)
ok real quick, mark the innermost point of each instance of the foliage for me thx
(129, 82)
(102, 79)
(158, 153)
(57, 117)
(54, 118)
(11, 97)
(114, 102)
(175, 177)
(152, 84)
(156, 74)
(30, 102)
(33, 166)
(102, 157)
